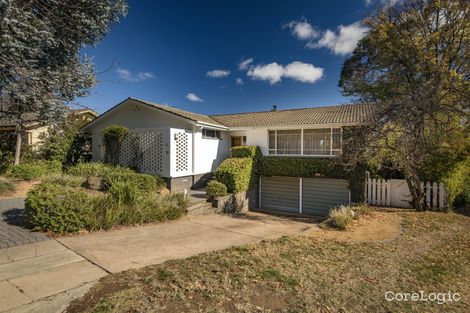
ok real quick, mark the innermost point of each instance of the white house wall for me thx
(209, 153)
(133, 115)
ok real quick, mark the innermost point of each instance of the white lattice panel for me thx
(143, 149)
(182, 147)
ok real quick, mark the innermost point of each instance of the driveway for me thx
(135, 247)
(13, 231)
(45, 275)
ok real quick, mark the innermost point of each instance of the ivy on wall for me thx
(113, 136)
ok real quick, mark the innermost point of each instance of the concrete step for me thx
(201, 208)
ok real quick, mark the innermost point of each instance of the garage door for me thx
(319, 195)
(280, 194)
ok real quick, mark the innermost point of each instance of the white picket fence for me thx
(395, 193)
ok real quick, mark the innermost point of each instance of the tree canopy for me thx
(414, 67)
(41, 68)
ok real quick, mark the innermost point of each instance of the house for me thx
(35, 131)
(186, 148)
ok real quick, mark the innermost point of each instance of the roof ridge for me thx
(292, 109)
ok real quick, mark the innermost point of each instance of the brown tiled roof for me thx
(189, 115)
(340, 114)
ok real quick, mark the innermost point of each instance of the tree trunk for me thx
(18, 147)
(417, 192)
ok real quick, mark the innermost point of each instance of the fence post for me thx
(442, 195)
(428, 193)
(434, 195)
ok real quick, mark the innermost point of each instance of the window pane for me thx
(288, 141)
(317, 141)
(272, 142)
(336, 141)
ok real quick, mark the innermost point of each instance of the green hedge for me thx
(311, 167)
(34, 170)
(235, 173)
(246, 152)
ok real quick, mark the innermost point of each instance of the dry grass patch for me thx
(304, 274)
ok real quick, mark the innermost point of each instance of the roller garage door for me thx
(319, 195)
(309, 196)
(280, 194)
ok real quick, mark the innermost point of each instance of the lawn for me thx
(313, 273)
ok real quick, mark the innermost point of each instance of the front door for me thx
(236, 141)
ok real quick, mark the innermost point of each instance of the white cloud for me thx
(193, 97)
(299, 71)
(127, 75)
(343, 41)
(218, 73)
(245, 64)
(239, 81)
(302, 30)
(303, 72)
(368, 2)
(271, 72)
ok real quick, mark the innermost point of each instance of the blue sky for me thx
(188, 54)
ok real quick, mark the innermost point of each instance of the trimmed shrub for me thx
(302, 167)
(235, 173)
(6, 187)
(56, 208)
(340, 217)
(34, 170)
(246, 152)
(215, 189)
(457, 184)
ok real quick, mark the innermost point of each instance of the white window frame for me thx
(331, 155)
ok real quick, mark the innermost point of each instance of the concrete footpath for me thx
(45, 276)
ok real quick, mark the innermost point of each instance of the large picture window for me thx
(310, 142)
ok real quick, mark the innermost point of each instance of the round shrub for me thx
(56, 208)
(340, 217)
(215, 189)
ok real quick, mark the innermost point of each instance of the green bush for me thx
(66, 180)
(246, 152)
(457, 184)
(97, 169)
(235, 173)
(34, 170)
(113, 136)
(144, 182)
(6, 187)
(56, 208)
(215, 189)
(61, 209)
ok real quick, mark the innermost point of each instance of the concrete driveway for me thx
(45, 276)
(135, 247)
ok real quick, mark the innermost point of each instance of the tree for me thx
(413, 67)
(41, 69)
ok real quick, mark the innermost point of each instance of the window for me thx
(210, 133)
(313, 142)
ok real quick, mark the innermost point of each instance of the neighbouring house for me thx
(35, 131)
(186, 148)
